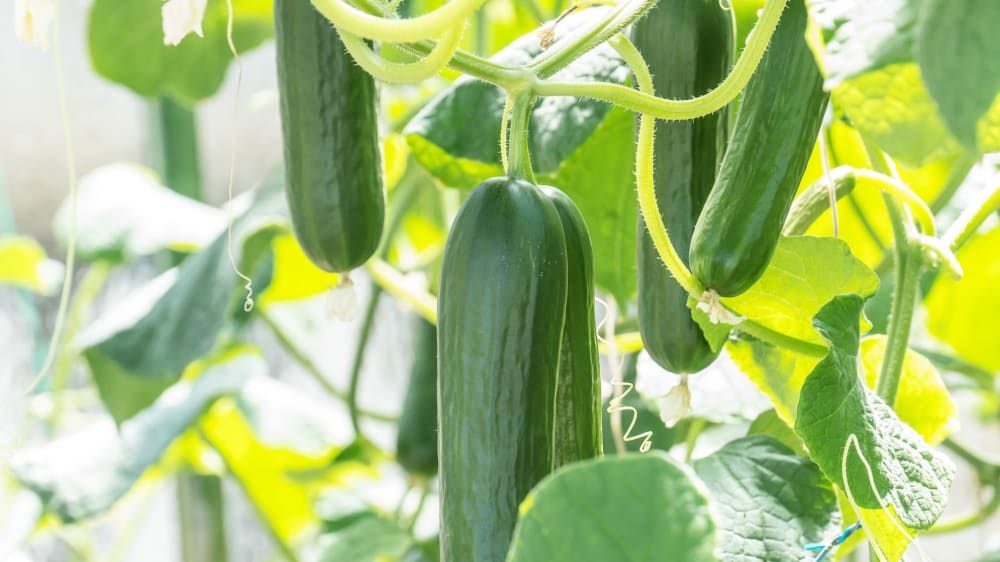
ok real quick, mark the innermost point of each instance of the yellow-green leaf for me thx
(23, 264)
(295, 275)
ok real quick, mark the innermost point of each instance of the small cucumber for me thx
(416, 442)
(688, 45)
(500, 319)
(578, 393)
(329, 124)
(775, 130)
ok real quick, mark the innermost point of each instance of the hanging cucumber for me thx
(578, 392)
(500, 319)
(329, 121)
(774, 133)
(416, 442)
(688, 45)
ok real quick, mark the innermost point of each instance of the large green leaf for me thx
(963, 313)
(630, 508)
(865, 50)
(125, 40)
(804, 274)
(177, 317)
(958, 49)
(771, 503)
(123, 212)
(605, 195)
(836, 405)
(777, 372)
(23, 263)
(82, 474)
(456, 135)
(359, 535)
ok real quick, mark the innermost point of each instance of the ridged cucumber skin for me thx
(500, 317)
(416, 441)
(329, 123)
(775, 130)
(578, 391)
(688, 45)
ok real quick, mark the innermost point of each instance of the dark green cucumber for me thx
(688, 45)
(774, 133)
(500, 318)
(329, 122)
(416, 442)
(578, 391)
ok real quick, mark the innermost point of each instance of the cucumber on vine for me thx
(500, 325)
(578, 392)
(688, 45)
(329, 124)
(775, 130)
(416, 442)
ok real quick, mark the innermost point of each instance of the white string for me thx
(620, 388)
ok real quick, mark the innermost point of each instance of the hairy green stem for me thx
(908, 267)
(519, 153)
(359, 358)
(970, 520)
(987, 468)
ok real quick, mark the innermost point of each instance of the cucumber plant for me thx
(788, 199)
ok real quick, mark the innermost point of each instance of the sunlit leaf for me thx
(84, 473)
(23, 263)
(295, 275)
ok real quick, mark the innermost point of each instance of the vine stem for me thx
(359, 358)
(908, 267)
(902, 192)
(971, 219)
(519, 152)
(403, 72)
(368, 26)
(646, 103)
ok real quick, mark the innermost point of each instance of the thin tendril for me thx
(67, 285)
(248, 303)
(621, 388)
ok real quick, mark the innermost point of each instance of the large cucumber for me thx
(500, 319)
(688, 45)
(774, 133)
(329, 122)
(416, 442)
(578, 394)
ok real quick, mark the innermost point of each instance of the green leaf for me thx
(125, 40)
(923, 400)
(456, 135)
(963, 313)
(605, 195)
(777, 372)
(176, 318)
(23, 263)
(771, 503)
(123, 212)
(804, 274)
(865, 50)
(770, 424)
(83, 474)
(359, 536)
(835, 405)
(629, 507)
(958, 48)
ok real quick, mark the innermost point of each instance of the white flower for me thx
(676, 404)
(716, 312)
(32, 22)
(181, 17)
(344, 300)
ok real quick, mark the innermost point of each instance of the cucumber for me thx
(688, 45)
(775, 130)
(500, 317)
(416, 442)
(329, 122)
(578, 391)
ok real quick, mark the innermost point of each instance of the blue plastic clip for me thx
(825, 549)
